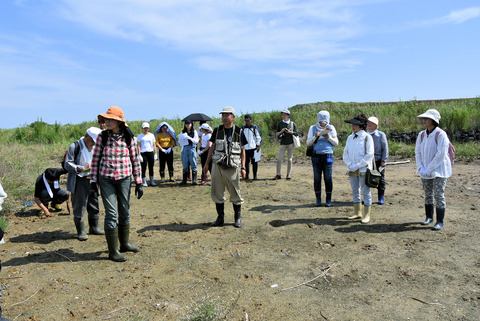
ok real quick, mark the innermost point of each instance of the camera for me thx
(281, 135)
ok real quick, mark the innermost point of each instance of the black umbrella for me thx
(197, 117)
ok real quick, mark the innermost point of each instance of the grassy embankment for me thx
(26, 151)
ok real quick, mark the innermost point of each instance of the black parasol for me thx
(197, 117)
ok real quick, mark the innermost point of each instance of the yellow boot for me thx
(357, 211)
(366, 214)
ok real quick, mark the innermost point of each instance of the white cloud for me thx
(457, 16)
(234, 32)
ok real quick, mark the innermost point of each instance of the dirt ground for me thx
(290, 260)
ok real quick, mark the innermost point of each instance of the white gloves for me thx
(155, 157)
(168, 150)
(140, 158)
(353, 167)
(424, 171)
(199, 152)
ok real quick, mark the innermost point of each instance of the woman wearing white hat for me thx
(148, 150)
(433, 165)
(285, 131)
(381, 154)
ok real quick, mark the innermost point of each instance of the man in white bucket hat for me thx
(433, 165)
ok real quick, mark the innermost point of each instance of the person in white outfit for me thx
(433, 165)
(147, 148)
(358, 156)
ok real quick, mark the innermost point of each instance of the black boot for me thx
(194, 178)
(328, 201)
(81, 234)
(318, 197)
(221, 214)
(255, 170)
(428, 214)
(123, 236)
(112, 242)
(93, 223)
(238, 215)
(184, 180)
(440, 216)
(170, 173)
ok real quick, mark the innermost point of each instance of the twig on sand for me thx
(398, 163)
(116, 310)
(318, 276)
(425, 302)
(58, 254)
(23, 300)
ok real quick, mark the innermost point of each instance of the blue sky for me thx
(69, 60)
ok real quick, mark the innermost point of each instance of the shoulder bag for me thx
(372, 176)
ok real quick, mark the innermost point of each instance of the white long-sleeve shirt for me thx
(354, 153)
(433, 155)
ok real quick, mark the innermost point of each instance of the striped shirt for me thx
(115, 160)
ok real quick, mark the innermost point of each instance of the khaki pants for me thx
(281, 152)
(228, 178)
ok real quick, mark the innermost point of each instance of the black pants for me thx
(59, 196)
(382, 186)
(165, 158)
(203, 160)
(249, 158)
(148, 158)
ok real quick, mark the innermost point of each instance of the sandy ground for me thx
(290, 260)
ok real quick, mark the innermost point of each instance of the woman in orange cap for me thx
(115, 159)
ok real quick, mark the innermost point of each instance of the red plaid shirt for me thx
(115, 161)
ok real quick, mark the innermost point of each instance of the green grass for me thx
(25, 152)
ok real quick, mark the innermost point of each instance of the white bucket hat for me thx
(374, 120)
(432, 114)
(206, 127)
(228, 110)
(145, 125)
(94, 132)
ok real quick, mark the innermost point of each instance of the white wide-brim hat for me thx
(432, 114)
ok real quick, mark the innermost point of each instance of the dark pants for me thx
(59, 196)
(165, 158)
(83, 199)
(116, 201)
(148, 158)
(321, 166)
(249, 158)
(382, 186)
(203, 160)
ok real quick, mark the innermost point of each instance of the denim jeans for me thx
(116, 200)
(357, 183)
(189, 158)
(321, 166)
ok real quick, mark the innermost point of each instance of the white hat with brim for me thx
(145, 125)
(206, 127)
(374, 120)
(228, 110)
(285, 111)
(94, 132)
(432, 114)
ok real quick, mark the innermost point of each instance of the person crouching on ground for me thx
(47, 189)
(358, 156)
(433, 165)
(78, 164)
(381, 154)
(114, 160)
(227, 156)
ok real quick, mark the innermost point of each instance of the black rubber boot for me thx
(238, 215)
(328, 201)
(81, 234)
(440, 216)
(170, 173)
(194, 178)
(318, 202)
(124, 236)
(184, 180)
(255, 170)
(112, 241)
(428, 214)
(221, 214)
(93, 223)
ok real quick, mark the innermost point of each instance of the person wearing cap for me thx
(433, 166)
(285, 131)
(188, 139)
(358, 156)
(323, 136)
(251, 141)
(205, 144)
(115, 159)
(381, 154)
(165, 140)
(228, 156)
(148, 150)
(47, 189)
(78, 164)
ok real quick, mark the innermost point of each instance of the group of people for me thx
(106, 160)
